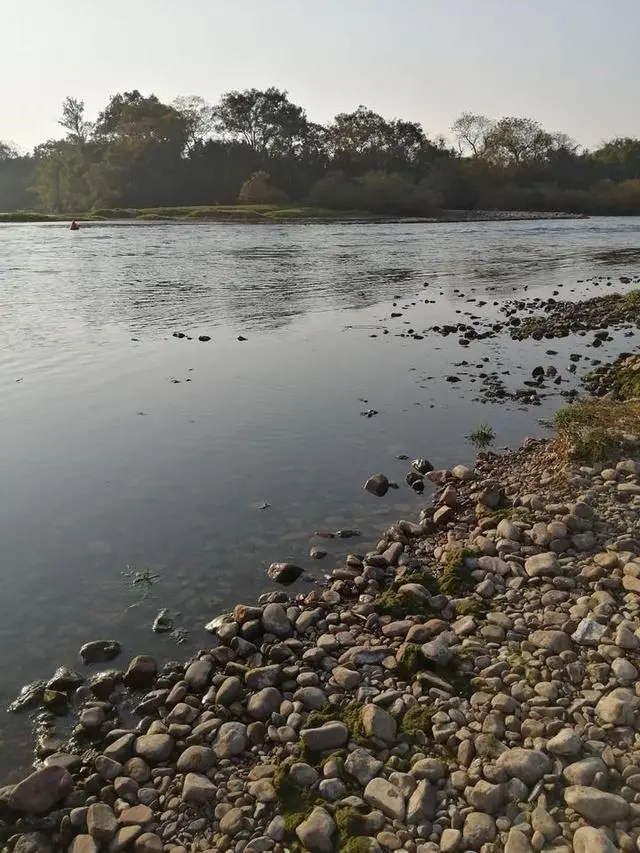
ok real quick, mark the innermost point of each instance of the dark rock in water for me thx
(537, 372)
(284, 573)
(325, 534)
(412, 477)
(377, 485)
(317, 553)
(151, 703)
(348, 533)
(55, 702)
(204, 338)
(41, 791)
(102, 684)
(179, 335)
(369, 413)
(422, 466)
(241, 338)
(402, 457)
(453, 379)
(141, 672)
(100, 651)
(30, 696)
(65, 680)
(163, 622)
(48, 743)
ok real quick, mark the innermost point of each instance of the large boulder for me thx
(618, 707)
(100, 651)
(333, 735)
(587, 839)
(315, 833)
(382, 795)
(599, 807)
(377, 485)
(528, 765)
(231, 740)
(378, 723)
(141, 672)
(41, 791)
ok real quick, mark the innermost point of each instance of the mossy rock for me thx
(349, 714)
(359, 844)
(455, 579)
(399, 605)
(417, 719)
(471, 606)
(425, 579)
(411, 660)
(350, 820)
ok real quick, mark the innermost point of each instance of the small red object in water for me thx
(74, 226)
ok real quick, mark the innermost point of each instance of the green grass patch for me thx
(592, 430)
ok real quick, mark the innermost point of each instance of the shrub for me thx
(258, 189)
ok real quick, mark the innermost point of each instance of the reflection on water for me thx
(122, 445)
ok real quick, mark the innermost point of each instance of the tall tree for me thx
(263, 120)
(471, 131)
(199, 117)
(73, 120)
(512, 141)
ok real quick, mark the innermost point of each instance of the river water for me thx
(123, 446)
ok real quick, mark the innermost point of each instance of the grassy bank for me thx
(240, 213)
(266, 213)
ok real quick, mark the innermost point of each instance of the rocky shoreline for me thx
(469, 685)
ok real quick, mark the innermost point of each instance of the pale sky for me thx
(574, 65)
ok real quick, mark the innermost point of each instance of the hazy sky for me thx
(572, 64)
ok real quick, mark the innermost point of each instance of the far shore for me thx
(275, 213)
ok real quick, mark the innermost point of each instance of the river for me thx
(124, 446)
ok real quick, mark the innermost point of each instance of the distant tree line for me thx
(258, 147)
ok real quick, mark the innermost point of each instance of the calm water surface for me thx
(122, 445)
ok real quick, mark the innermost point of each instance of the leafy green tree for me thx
(73, 120)
(199, 118)
(265, 121)
(513, 141)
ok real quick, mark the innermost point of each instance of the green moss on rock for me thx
(455, 579)
(349, 714)
(425, 579)
(399, 605)
(417, 718)
(360, 844)
(294, 803)
(471, 606)
(411, 660)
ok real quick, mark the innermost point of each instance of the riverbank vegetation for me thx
(257, 148)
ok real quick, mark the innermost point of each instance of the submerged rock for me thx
(377, 485)
(422, 465)
(100, 651)
(65, 680)
(284, 573)
(163, 623)
(30, 696)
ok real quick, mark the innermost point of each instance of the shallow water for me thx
(107, 461)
